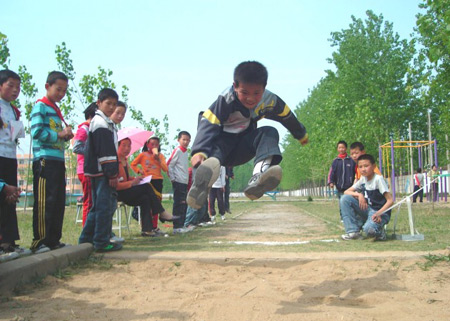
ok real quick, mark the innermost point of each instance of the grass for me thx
(432, 221)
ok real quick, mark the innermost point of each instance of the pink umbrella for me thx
(137, 136)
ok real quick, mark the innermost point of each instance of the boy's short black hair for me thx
(183, 132)
(358, 145)
(366, 157)
(250, 72)
(106, 93)
(419, 170)
(343, 142)
(54, 76)
(6, 74)
(89, 112)
(122, 104)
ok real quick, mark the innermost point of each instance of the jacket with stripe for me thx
(100, 158)
(342, 173)
(227, 114)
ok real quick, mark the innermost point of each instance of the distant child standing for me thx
(342, 171)
(357, 149)
(217, 192)
(9, 124)
(178, 164)
(49, 171)
(78, 148)
(101, 165)
(152, 162)
(418, 184)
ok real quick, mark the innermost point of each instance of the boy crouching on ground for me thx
(364, 203)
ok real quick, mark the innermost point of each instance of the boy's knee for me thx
(345, 199)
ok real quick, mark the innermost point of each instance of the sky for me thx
(177, 56)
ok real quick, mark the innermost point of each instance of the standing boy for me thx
(342, 171)
(217, 192)
(101, 165)
(364, 204)
(49, 171)
(418, 184)
(228, 135)
(357, 149)
(9, 126)
(178, 164)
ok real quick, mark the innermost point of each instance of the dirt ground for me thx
(245, 286)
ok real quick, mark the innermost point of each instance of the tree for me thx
(4, 51)
(434, 30)
(370, 95)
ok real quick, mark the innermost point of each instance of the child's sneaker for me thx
(110, 247)
(352, 236)
(116, 239)
(222, 217)
(263, 182)
(382, 236)
(205, 176)
(7, 256)
(41, 249)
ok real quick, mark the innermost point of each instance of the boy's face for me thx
(184, 141)
(118, 115)
(366, 168)
(107, 106)
(341, 149)
(355, 153)
(249, 94)
(10, 89)
(56, 91)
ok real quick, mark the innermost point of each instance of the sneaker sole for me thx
(269, 180)
(205, 176)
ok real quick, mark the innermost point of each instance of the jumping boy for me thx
(364, 204)
(49, 171)
(228, 135)
(101, 165)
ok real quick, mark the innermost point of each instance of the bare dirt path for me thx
(324, 287)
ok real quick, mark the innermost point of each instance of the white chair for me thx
(121, 218)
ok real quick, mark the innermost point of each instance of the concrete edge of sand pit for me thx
(23, 270)
(267, 258)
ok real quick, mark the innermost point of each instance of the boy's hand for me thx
(376, 218)
(113, 182)
(197, 159)
(12, 193)
(304, 140)
(331, 185)
(362, 202)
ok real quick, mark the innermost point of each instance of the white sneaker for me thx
(222, 217)
(352, 236)
(210, 223)
(213, 218)
(41, 249)
(117, 239)
(205, 176)
(183, 230)
(22, 251)
(4, 257)
(263, 182)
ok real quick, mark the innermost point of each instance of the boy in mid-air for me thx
(228, 135)
(364, 204)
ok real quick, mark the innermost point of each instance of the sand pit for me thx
(244, 286)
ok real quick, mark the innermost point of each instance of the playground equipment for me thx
(387, 159)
